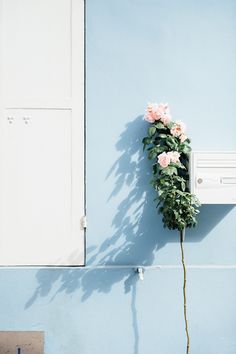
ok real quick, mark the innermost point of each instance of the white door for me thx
(41, 132)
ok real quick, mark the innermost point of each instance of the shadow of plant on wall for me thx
(138, 232)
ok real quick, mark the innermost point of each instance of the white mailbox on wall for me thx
(213, 177)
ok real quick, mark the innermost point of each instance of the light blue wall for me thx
(183, 52)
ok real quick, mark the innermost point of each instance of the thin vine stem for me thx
(182, 232)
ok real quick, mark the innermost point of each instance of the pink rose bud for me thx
(164, 159)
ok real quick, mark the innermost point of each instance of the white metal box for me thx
(213, 177)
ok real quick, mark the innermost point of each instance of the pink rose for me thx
(149, 118)
(183, 137)
(151, 113)
(162, 109)
(164, 159)
(178, 129)
(174, 156)
(156, 111)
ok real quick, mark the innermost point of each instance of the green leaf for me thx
(152, 154)
(170, 125)
(170, 170)
(160, 125)
(186, 149)
(180, 193)
(176, 214)
(180, 165)
(151, 131)
(146, 141)
(170, 141)
(160, 148)
(180, 179)
(163, 136)
(154, 169)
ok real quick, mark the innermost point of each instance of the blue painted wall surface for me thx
(182, 52)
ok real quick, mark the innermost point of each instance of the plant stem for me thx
(182, 232)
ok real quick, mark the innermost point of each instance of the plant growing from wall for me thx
(169, 147)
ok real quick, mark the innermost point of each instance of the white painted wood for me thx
(38, 103)
(41, 132)
(213, 177)
(37, 48)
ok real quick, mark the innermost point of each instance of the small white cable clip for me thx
(140, 271)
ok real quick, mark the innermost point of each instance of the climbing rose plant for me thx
(168, 147)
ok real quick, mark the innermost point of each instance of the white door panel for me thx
(37, 48)
(41, 132)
